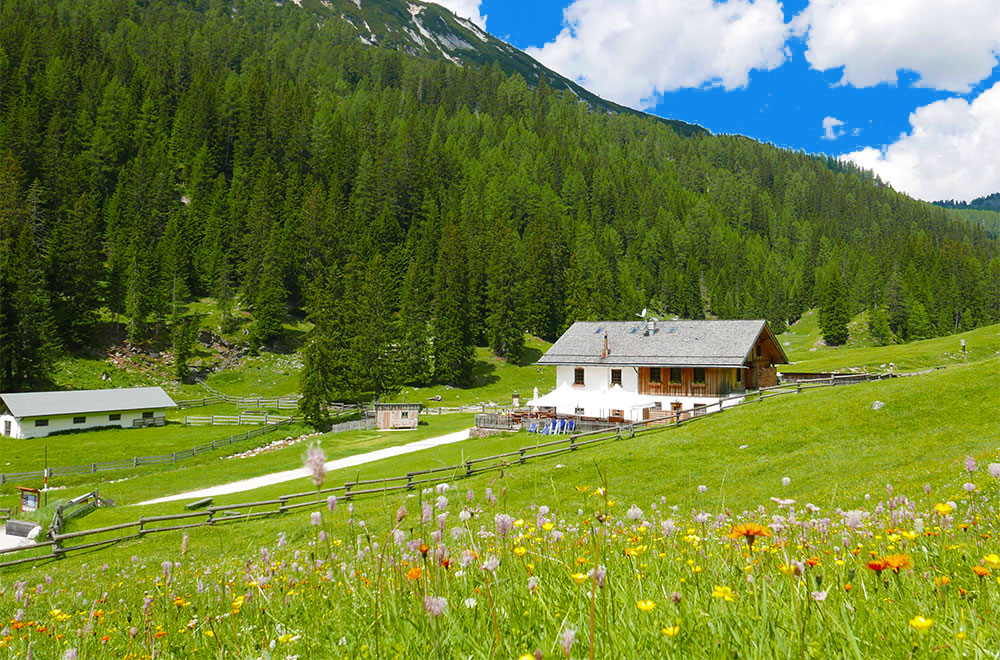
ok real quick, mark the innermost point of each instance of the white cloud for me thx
(465, 9)
(830, 131)
(632, 50)
(952, 44)
(951, 151)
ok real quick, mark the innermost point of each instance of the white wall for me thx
(598, 379)
(63, 422)
(15, 426)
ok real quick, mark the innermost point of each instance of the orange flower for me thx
(104, 640)
(877, 565)
(161, 633)
(898, 562)
(981, 571)
(813, 561)
(749, 531)
(414, 573)
(424, 549)
(848, 587)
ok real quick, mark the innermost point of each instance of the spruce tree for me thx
(919, 323)
(269, 297)
(878, 326)
(833, 313)
(452, 348)
(75, 270)
(503, 324)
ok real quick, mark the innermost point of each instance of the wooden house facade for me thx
(665, 365)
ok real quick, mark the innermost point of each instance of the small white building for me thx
(628, 371)
(37, 414)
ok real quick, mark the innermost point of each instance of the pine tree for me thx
(269, 298)
(895, 300)
(75, 269)
(503, 325)
(833, 314)
(919, 323)
(185, 334)
(374, 355)
(452, 348)
(878, 326)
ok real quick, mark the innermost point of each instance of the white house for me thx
(37, 414)
(625, 370)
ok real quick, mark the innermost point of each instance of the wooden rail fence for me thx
(138, 461)
(234, 420)
(214, 515)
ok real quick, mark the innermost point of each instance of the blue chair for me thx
(533, 428)
(562, 426)
(571, 426)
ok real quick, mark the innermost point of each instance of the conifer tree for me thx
(833, 314)
(503, 324)
(269, 297)
(74, 264)
(919, 323)
(878, 326)
(452, 349)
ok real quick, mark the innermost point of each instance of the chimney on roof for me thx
(607, 351)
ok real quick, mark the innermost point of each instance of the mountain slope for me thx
(425, 29)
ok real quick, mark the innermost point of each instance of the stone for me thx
(877, 405)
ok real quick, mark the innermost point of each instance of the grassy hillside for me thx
(267, 587)
(981, 343)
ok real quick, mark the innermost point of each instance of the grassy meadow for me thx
(622, 549)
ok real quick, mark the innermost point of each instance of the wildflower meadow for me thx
(452, 573)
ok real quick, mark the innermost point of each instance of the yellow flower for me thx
(528, 656)
(520, 551)
(943, 509)
(548, 526)
(579, 578)
(786, 569)
(209, 633)
(645, 605)
(671, 631)
(961, 634)
(921, 624)
(696, 569)
(993, 561)
(581, 489)
(635, 551)
(287, 637)
(909, 536)
(942, 581)
(725, 593)
(180, 602)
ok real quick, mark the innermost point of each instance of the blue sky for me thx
(774, 72)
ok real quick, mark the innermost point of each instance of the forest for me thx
(411, 209)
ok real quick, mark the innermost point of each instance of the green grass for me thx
(982, 343)
(236, 600)
(493, 380)
(803, 339)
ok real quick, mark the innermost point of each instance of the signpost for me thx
(29, 498)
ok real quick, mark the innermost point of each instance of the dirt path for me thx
(302, 473)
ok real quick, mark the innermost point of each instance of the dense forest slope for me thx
(411, 208)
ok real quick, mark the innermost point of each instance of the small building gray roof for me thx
(723, 343)
(73, 402)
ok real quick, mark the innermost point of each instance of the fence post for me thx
(135, 461)
(173, 457)
(93, 468)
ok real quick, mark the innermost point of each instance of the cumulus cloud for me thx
(951, 45)
(830, 131)
(465, 9)
(632, 50)
(949, 153)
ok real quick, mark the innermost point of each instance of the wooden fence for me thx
(214, 515)
(78, 506)
(230, 420)
(137, 461)
(288, 402)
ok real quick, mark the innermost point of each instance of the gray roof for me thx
(672, 343)
(73, 402)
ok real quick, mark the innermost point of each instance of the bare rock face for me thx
(877, 405)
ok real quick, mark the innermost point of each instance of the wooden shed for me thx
(396, 416)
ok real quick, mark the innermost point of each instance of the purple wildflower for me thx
(702, 488)
(434, 605)
(504, 523)
(426, 512)
(331, 503)
(400, 513)
(316, 517)
(316, 464)
(491, 564)
(969, 487)
(568, 636)
(970, 464)
(785, 481)
(994, 470)
(819, 596)
(532, 584)
(634, 513)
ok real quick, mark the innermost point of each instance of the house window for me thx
(618, 414)
(578, 376)
(115, 417)
(675, 375)
(79, 420)
(41, 422)
(654, 374)
(578, 412)
(616, 377)
(147, 415)
(6, 428)
(739, 376)
(406, 414)
(699, 375)
(758, 351)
